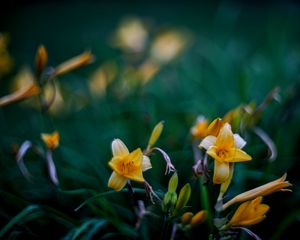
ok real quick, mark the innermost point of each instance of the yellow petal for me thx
(119, 148)
(252, 221)
(225, 185)
(135, 172)
(146, 164)
(237, 155)
(239, 213)
(207, 142)
(225, 138)
(221, 172)
(116, 181)
(136, 156)
(214, 127)
(212, 151)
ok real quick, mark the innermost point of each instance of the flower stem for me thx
(204, 196)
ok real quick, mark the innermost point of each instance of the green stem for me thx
(204, 196)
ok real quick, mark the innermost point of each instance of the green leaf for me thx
(30, 211)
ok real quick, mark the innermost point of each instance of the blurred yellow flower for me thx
(51, 140)
(248, 213)
(101, 78)
(277, 185)
(6, 61)
(225, 149)
(167, 46)
(199, 130)
(21, 94)
(126, 165)
(74, 63)
(131, 35)
(41, 59)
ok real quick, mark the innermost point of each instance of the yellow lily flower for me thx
(266, 189)
(225, 149)
(248, 213)
(126, 165)
(51, 140)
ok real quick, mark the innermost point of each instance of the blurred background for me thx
(154, 61)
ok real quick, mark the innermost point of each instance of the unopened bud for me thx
(173, 182)
(184, 197)
(41, 59)
(186, 217)
(199, 218)
(157, 130)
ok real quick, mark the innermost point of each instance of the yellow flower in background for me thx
(199, 130)
(126, 165)
(168, 45)
(131, 35)
(74, 63)
(6, 61)
(248, 213)
(51, 140)
(277, 185)
(19, 95)
(225, 149)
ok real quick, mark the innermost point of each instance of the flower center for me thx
(222, 154)
(126, 166)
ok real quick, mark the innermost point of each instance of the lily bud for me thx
(173, 182)
(184, 197)
(41, 59)
(156, 133)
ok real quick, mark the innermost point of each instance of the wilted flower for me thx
(126, 165)
(277, 185)
(225, 149)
